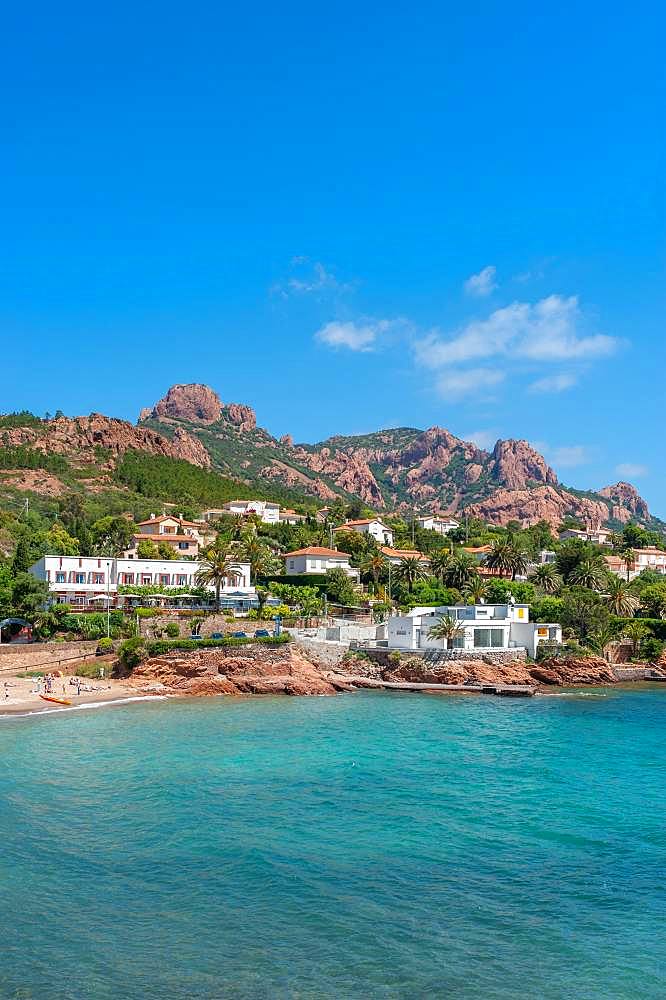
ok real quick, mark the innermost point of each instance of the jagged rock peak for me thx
(515, 464)
(625, 495)
(198, 404)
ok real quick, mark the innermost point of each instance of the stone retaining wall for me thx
(50, 655)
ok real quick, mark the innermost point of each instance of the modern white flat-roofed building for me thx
(442, 525)
(483, 627)
(317, 559)
(87, 580)
(371, 526)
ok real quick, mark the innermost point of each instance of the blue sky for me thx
(349, 217)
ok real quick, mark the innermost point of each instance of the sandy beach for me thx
(22, 694)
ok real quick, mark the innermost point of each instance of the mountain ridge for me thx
(397, 469)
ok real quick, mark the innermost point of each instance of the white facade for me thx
(370, 526)
(84, 580)
(442, 525)
(317, 560)
(600, 536)
(267, 512)
(648, 558)
(484, 627)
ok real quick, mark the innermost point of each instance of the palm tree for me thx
(588, 573)
(619, 599)
(500, 556)
(260, 556)
(410, 570)
(635, 631)
(546, 578)
(507, 557)
(373, 564)
(601, 638)
(476, 590)
(219, 564)
(439, 563)
(628, 557)
(448, 629)
(460, 570)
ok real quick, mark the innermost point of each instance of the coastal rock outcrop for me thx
(251, 669)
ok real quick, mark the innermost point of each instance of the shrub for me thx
(651, 649)
(172, 630)
(160, 646)
(105, 645)
(131, 653)
(394, 657)
(148, 612)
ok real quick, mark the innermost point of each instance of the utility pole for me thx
(108, 598)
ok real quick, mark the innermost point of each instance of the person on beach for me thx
(6, 690)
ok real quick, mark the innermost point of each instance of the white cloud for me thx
(482, 439)
(312, 277)
(354, 336)
(455, 384)
(483, 283)
(631, 470)
(553, 383)
(567, 456)
(545, 331)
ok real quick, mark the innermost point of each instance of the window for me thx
(542, 631)
(60, 578)
(165, 578)
(487, 638)
(98, 578)
(465, 613)
(181, 580)
(80, 578)
(183, 545)
(146, 578)
(291, 564)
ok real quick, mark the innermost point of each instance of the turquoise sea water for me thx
(371, 845)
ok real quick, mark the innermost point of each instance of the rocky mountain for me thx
(227, 454)
(401, 469)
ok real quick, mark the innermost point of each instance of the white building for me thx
(316, 559)
(647, 558)
(442, 525)
(600, 536)
(84, 581)
(266, 511)
(371, 526)
(483, 627)
(288, 516)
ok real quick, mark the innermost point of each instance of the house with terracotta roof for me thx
(186, 538)
(647, 558)
(371, 526)
(395, 556)
(288, 516)
(318, 559)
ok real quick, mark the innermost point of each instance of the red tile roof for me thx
(315, 550)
